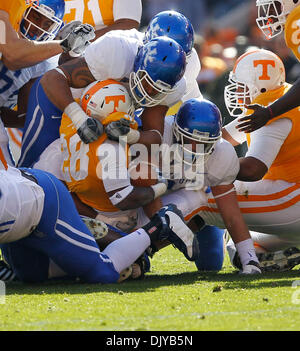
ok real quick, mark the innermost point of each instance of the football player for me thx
(176, 26)
(269, 186)
(40, 225)
(39, 21)
(196, 131)
(31, 21)
(155, 71)
(273, 18)
(102, 180)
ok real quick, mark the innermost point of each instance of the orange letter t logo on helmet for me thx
(265, 64)
(115, 99)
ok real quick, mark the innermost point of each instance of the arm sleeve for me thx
(267, 141)
(131, 9)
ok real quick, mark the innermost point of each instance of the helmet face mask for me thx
(254, 73)
(42, 20)
(139, 81)
(238, 94)
(193, 147)
(272, 14)
(158, 66)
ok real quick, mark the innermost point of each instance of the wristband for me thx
(76, 113)
(159, 189)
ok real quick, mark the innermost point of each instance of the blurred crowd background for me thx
(223, 31)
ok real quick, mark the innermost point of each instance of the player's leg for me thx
(64, 238)
(41, 126)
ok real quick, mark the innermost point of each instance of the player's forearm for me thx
(287, 102)
(24, 53)
(229, 209)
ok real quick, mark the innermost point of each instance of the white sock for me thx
(246, 251)
(123, 252)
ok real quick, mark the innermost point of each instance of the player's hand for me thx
(67, 29)
(77, 40)
(115, 130)
(258, 119)
(251, 267)
(90, 130)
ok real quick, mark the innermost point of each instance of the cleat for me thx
(97, 228)
(279, 261)
(177, 232)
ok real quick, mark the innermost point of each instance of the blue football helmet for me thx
(173, 25)
(198, 122)
(158, 66)
(42, 20)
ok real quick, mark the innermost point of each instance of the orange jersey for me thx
(82, 168)
(292, 31)
(98, 13)
(287, 163)
(15, 9)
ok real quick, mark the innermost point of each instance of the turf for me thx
(173, 297)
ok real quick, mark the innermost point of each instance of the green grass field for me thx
(173, 297)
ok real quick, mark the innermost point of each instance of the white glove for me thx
(77, 40)
(67, 29)
(251, 267)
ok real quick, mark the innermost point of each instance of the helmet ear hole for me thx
(295, 1)
(263, 90)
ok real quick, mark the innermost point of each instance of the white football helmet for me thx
(101, 98)
(271, 15)
(254, 73)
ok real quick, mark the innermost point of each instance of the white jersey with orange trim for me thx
(102, 13)
(18, 218)
(105, 61)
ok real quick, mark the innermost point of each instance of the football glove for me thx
(115, 130)
(67, 29)
(77, 40)
(90, 130)
(251, 267)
